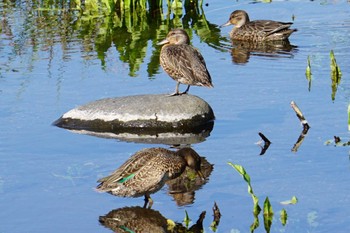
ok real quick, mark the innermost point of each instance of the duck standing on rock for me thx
(147, 170)
(182, 62)
(257, 30)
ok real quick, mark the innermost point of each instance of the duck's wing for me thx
(131, 167)
(268, 27)
(184, 61)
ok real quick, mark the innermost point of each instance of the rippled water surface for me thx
(53, 60)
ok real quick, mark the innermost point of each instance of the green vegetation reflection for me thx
(132, 27)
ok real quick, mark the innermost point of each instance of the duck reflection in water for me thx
(147, 170)
(242, 50)
(183, 188)
(143, 220)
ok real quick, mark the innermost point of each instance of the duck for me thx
(182, 62)
(146, 172)
(257, 30)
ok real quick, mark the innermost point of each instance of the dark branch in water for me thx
(266, 145)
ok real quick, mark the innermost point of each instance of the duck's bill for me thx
(228, 23)
(165, 41)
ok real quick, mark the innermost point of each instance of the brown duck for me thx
(182, 62)
(147, 170)
(257, 30)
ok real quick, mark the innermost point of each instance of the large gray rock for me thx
(141, 115)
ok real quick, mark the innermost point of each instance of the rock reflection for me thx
(183, 188)
(242, 50)
(175, 137)
(138, 219)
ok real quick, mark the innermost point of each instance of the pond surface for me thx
(54, 60)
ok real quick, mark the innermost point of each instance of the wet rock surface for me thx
(141, 114)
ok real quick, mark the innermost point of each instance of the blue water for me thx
(48, 174)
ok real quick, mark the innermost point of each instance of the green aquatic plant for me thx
(283, 217)
(292, 201)
(335, 74)
(187, 219)
(246, 177)
(256, 207)
(334, 66)
(267, 214)
(267, 208)
(308, 73)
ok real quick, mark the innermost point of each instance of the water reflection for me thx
(183, 188)
(300, 139)
(137, 219)
(242, 50)
(176, 136)
(134, 219)
(99, 28)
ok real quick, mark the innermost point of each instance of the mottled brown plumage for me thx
(182, 62)
(147, 171)
(257, 30)
(134, 219)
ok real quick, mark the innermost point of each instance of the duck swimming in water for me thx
(257, 30)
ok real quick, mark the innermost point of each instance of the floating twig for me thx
(300, 115)
(305, 124)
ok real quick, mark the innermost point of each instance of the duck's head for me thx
(237, 18)
(176, 36)
(192, 158)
